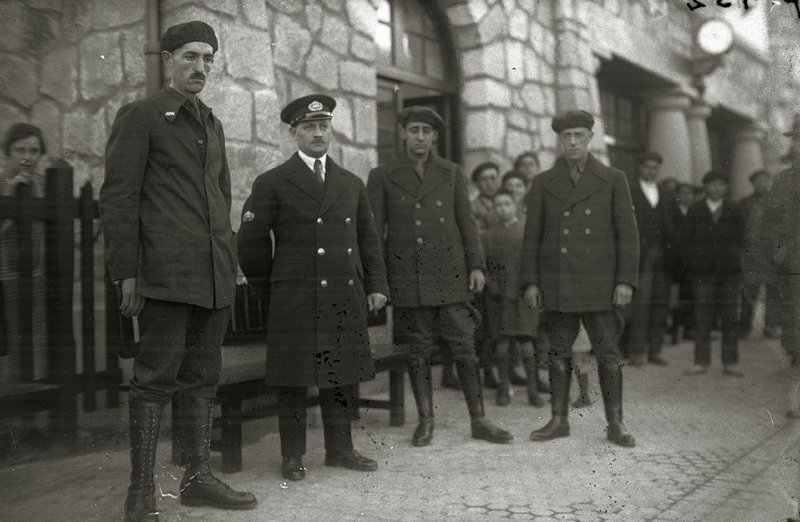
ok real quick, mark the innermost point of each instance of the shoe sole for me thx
(340, 465)
(199, 502)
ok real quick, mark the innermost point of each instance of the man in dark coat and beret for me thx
(580, 257)
(435, 263)
(165, 210)
(307, 232)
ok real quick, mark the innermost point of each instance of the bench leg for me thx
(231, 442)
(397, 398)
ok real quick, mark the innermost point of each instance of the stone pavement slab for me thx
(709, 448)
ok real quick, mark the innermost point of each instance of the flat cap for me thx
(194, 31)
(795, 126)
(308, 108)
(715, 175)
(651, 155)
(572, 119)
(420, 114)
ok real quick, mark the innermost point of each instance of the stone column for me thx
(747, 156)
(669, 134)
(696, 119)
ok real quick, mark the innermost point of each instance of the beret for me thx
(651, 155)
(795, 126)
(715, 175)
(572, 119)
(420, 114)
(181, 34)
(759, 172)
(477, 171)
(308, 108)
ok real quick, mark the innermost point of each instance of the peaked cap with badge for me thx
(313, 107)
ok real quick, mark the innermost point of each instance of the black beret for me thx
(308, 108)
(759, 172)
(420, 114)
(572, 119)
(651, 155)
(715, 175)
(181, 34)
(477, 171)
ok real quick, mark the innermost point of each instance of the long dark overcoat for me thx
(430, 235)
(580, 241)
(326, 260)
(165, 202)
(708, 248)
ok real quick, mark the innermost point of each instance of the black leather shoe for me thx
(617, 434)
(140, 506)
(292, 468)
(556, 428)
(204, 489)
(658, 361)
(351, 460)
(423, 435)
(729, 370)
(484, 430)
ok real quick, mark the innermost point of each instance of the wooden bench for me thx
(242, 379)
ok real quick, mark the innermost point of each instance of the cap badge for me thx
(248, 216)
(315, 106)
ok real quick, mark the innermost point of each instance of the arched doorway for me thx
(416, 65)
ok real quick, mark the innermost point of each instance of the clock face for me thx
(715, 36)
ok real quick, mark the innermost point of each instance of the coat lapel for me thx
(434, 176)
(592, 180)
(334, 185)
(560, 185)
(405, 177)
(301, 177)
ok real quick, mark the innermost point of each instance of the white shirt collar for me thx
(308, 160)
(713, 206)
(650, 191)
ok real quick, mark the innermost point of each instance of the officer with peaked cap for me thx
(324, 272)
(435, 264)
(165, 210)
(580, 258)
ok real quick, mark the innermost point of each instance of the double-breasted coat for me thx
(165, 202)
(326, 259)
(430, 235)
(580, 241)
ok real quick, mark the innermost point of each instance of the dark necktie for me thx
(318, 171)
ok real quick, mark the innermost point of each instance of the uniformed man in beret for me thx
(580, 258)
(307, 233)
(435, 264)
(165, 210)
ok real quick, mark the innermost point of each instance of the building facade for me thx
(497, 69)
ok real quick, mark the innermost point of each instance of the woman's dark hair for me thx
(524, 155)
(477, 171)
(514, 174)
(20, 131)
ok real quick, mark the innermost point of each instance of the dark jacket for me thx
(580, 242)
(327, 258)
(655, 225)
(430, 235)
(502, 245)
(165, 202)
(709, 248)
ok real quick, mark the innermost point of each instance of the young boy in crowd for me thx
(509, 319)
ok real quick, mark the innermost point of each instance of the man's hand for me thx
(622, 295)
(476, 281)
(21, 178)
(376, 301)
(532, 297)
(132, 303)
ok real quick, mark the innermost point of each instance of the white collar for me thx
(650, 191)
(308, 160)
(713, 206)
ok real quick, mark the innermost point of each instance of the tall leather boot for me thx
(199, 487)
(419, 373)
(583, 399)
(471, 385)
(560, 378)
(144, 421)
(531, 370)
(504, 383)
(541, 345)
(611, 386)
(448, 376)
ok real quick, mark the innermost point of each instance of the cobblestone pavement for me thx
(709, 448)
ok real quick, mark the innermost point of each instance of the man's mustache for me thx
(198, 77)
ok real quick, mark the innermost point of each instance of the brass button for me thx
(588, 231)
(324, 283)
(321, 251)
(566, 231)
(441, 220)
(200, 142)
(417, 205)
(588, 211)
(319, 221)
(438, 202)
(563, 250)
(418, 222)
(420, 240)
(566, 213)
(349, 251)
(350, 282)
(347, 221)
